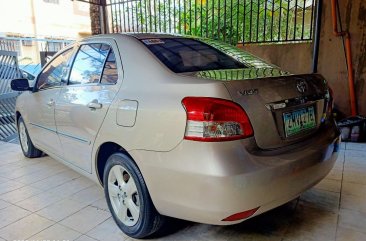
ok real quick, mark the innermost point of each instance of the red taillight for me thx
(240, 216)
(213, 119)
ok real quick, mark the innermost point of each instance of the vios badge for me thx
(248, 92)
(301, 86)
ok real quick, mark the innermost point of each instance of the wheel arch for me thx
(105, 150)
(17, 116)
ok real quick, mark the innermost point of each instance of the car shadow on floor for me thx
(274, 222)
(305, 217)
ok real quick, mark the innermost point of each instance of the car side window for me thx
(55, 72)
(88, 64)
(110, 73)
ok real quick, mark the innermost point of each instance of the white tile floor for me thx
(41, 199)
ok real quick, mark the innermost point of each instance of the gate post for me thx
(98, 17)
(103, 17)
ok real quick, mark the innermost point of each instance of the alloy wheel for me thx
(23, 136)
(123, 195)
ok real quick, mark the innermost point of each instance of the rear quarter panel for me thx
(161, 119)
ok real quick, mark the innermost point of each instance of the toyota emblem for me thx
(301, 86)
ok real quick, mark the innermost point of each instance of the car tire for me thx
(128, 198)
(29, 150)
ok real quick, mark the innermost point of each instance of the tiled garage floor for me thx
(41, 199)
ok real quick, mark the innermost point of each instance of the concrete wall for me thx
(37, 18)
(294, 57)
(297, 58)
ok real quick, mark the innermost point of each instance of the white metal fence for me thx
(8, 70)
(15, 51)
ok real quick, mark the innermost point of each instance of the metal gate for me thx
(8, 70)
(233, 21)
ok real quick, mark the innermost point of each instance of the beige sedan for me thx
(174, 126)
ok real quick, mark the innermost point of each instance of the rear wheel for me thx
(29, 150)
(128, 198)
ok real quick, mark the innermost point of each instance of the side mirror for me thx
(20, 85)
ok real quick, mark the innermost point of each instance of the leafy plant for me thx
(232, 21)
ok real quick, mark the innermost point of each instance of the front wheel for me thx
(29, 150)
(128, 198)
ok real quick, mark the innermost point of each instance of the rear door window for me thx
(110, 72)
(190, 55)
(88, 64)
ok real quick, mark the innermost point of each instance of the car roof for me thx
(153, 35)
(137, 36)
(250, 60)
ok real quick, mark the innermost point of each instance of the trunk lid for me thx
(283, 109)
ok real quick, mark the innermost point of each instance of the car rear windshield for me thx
(190, 55)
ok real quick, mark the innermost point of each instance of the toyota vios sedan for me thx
(179, 126)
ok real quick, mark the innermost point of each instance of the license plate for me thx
(299, 120)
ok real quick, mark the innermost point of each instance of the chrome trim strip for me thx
(42, 127)
(74, 137)
(63, 134)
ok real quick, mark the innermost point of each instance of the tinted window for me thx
(55, 72)
(88, 64)
(110, 74)
(189, 55)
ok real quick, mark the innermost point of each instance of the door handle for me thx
(51, 102)
(94, 105)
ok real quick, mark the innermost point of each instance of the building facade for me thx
(34, 26)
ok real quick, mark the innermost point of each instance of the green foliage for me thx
(232, 21)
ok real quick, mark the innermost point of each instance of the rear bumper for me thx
(207, 182)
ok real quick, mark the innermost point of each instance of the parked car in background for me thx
(175, 126)
(30, 71)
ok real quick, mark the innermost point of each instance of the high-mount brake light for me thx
(213, 119)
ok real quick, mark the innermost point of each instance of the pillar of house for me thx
(95, 17)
